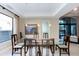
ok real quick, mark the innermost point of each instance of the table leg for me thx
(39, 51)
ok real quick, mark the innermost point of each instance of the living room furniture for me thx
(15, 45)
(64, 48)
(29, 43)
(49, 44)
(74, 39)
(45, 35)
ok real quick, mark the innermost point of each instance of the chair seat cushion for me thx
(19, 45)
(62, 46)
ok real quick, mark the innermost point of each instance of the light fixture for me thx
(38, 25)
(75, 9)
(26, 24)
(49, 25)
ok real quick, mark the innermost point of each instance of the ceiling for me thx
(39, 9)
(73, 13)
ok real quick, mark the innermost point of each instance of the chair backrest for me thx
(33, 36)
(48, 42)
(45, 35)
(14, 40)
(36, 36)
(51, 41)
(21, 36)
(67, 40)
(29, 42)
(45, 42)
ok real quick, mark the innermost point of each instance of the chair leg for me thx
(52, 51)
(55, 47)
(27, 48)
(21, 51)
(60, 51)
(68, 52)
(12, 52)
(24, 50)
(39, 51)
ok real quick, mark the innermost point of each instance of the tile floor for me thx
(74, 51)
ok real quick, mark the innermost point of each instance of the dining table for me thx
(32, 42)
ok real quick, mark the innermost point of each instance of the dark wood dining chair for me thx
(45, 35)
(29, 43)
(49, 44)
(21, 35)
(15, 45)
(36, 36)
(52, 45)
(65, 48)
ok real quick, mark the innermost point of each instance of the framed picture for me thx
(31, 29)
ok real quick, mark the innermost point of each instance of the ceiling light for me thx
(75, 9)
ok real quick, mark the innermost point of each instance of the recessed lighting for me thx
(75, 9)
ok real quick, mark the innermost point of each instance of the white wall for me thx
(54, 28)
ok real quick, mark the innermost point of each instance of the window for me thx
(5, 27)
(67, 26)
